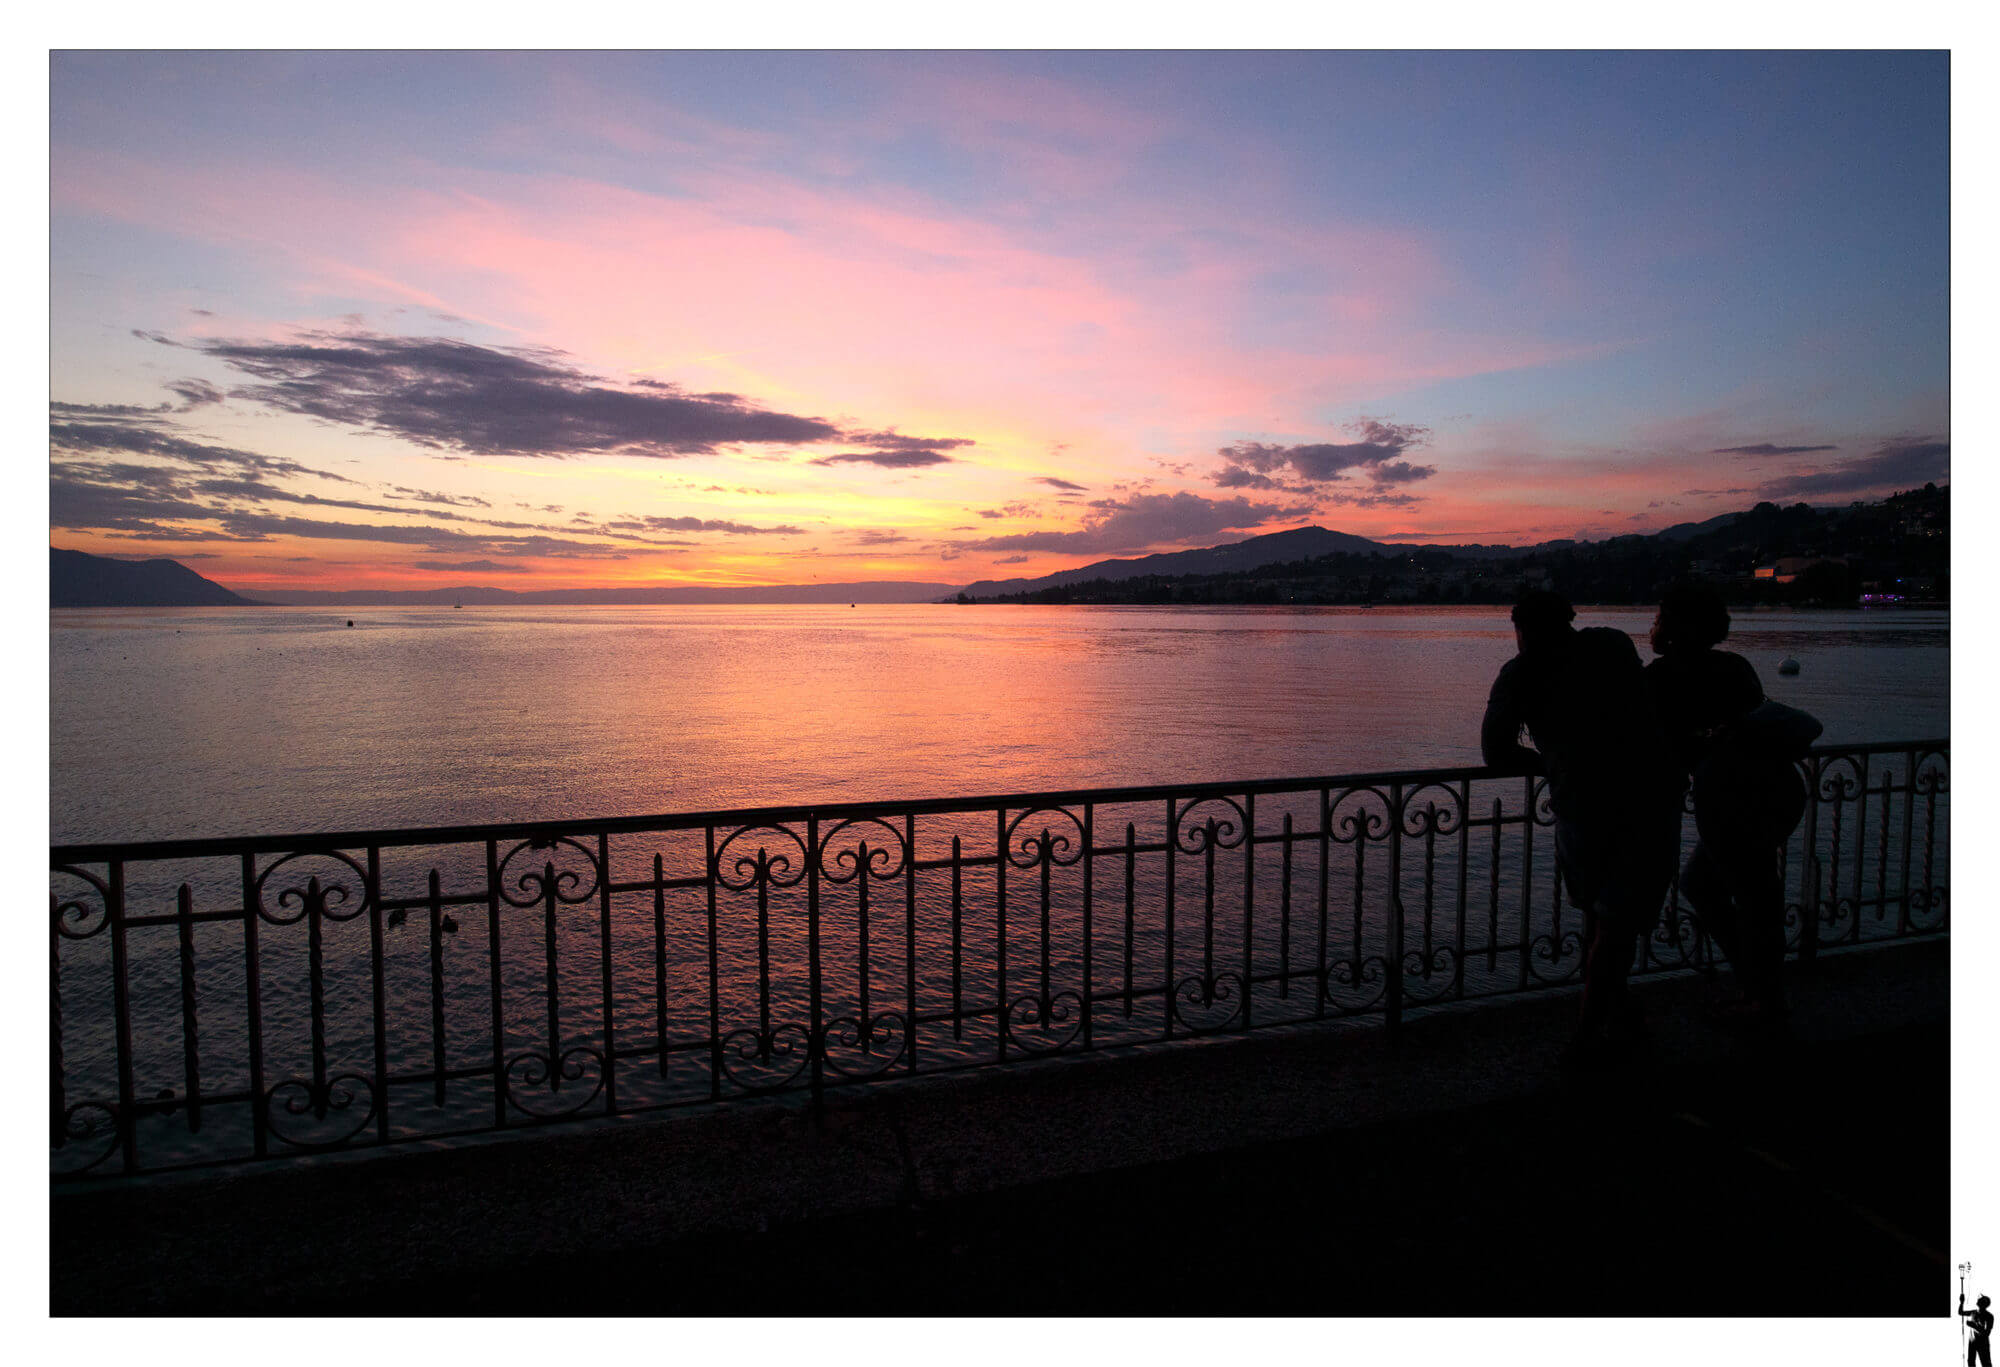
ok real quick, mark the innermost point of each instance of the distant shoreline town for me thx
(1897, 551)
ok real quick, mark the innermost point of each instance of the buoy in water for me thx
(1788, 666)
(350, 621)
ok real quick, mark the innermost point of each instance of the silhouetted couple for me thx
(1619, 743)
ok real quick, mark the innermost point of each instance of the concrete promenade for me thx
(1326, 1171)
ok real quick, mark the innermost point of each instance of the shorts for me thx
(1620, 862)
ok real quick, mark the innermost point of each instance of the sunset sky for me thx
(555, 320)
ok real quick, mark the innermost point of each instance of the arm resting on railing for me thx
(1500, 730)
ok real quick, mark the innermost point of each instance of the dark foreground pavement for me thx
(1454, 1170)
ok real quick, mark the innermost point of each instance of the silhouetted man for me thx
(1980, 1322)
(1613, 785)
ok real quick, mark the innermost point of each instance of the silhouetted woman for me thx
(1978, 1349)
(1748, 796)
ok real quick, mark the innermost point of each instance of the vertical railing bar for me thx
(114, 902)
(1430, 887)
(1360, 891)
(1000, 933)
(1909, 827)
(58, 1097)
(374, 893)
(714, 968)
(1493, 895)
(552, 995)
(1464, 868)
(815, 983)
(957, 940)
(190, 1044)
(1131, 874)
(1528, 879)
(1285, 916)
(253, 1010)
(493, 972)
(1048, 872)
(316, 987)
(763, 880)
(1089, 865)
(1860, 846)
(910, 934)
(1833, 856)
(861, 957)
(604, 961)
(660, 957)
(1930, 846)
(1249, 897)
(1167, 995)
(1208, 906)
(1882, 851)
(1395, 983)
(438, 1060)
(1809, 868)
(1325, 862)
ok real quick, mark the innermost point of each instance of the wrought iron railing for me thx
(224, 1000)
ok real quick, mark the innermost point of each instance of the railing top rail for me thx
(208, 847)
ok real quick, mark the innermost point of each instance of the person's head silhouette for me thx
(1692, 617)
(1983, 1302)
(1542, 617)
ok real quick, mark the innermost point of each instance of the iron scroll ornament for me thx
(1356, 817)
(1209, 1001)
(550, 883)
(854, 1045)
(330, 1101)
(1560, 948)
(763, 1058)
(884, 861)
(1435, 972)
(1045, 1021)
(75, 918)
(330, 900)
(762, 869)
(526, 1073)
(1928, 783)
(75, 1129)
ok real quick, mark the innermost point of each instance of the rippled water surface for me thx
(437, 990)
(194, 722)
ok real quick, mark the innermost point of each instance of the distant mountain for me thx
(81, 580)
(1301, 543)
(1687, 531)
(874, 591)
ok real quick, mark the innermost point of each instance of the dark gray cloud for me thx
(1142, 521)
(1377, 455)
(874, 537)
(892, 440)
(195, 393)
(452, 500)
(1766, 449)
(914, 459)
(695, 524)
(1716, 493)
(469, 566)
(154, 437)
(452, 395)
(106, 412)
(1011, 560)
(1904, 463)
(196, 490)
(1055, 483)
(1018, 508)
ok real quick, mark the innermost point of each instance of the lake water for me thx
(222, 722)
(190, 723)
